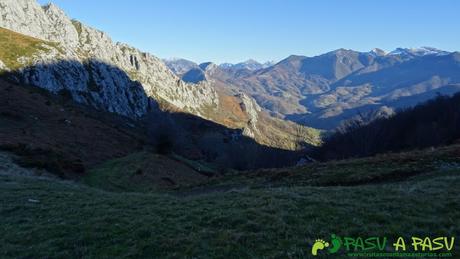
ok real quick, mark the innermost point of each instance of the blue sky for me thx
(236, 30)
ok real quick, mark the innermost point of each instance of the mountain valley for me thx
(66, 55)
(325, 90)
(108, 151)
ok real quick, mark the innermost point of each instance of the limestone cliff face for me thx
(252, 109)
(65, 56)
(29, 18)
(93, 68)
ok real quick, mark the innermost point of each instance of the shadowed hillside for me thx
(53, 132)
(127, 81)
(42, 125)
(434, 123)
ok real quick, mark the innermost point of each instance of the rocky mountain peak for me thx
(180, 66)
(51, 7)
(47, 23)
(250, 64)
(340, 51)
(208, 66)
(252, 109)
(94, 69)
(377, 52)
(291, 62)
(422, 51)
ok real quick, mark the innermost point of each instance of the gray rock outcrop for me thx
(94, 69)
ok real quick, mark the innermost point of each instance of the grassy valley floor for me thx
(260, 214)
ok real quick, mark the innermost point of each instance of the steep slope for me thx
(281, 87)
(401, 85)
(434, 123)
(93, 68)
(240, 110)
(67, 57)
(58, 134)
(54, 133)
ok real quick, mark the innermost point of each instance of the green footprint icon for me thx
(318, 245)
(336, 244)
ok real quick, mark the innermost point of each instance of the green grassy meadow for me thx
(261, 214)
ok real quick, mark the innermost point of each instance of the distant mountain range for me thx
(324, 90)
(249, 64)
(181, 66)
(43, 47)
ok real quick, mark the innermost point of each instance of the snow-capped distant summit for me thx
(423, 51)
(179, 66)
(249, 64)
